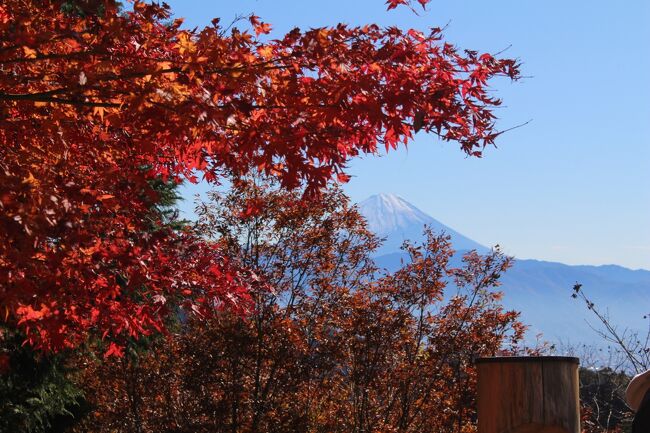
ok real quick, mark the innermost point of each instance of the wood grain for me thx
(528, 395)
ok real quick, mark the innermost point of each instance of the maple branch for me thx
(49, 57)
(40, 41)
(497, 133)
(38, 97)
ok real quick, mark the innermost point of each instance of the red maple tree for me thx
(337, 346)
(95, 103)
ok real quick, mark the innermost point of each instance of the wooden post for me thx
(528, 395)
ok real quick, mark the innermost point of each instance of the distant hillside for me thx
(540, 290)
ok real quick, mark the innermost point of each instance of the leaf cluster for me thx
(331, 343)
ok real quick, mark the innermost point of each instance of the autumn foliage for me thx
(95, 104)
(337, 346)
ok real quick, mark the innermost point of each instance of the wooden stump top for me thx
(501, 359)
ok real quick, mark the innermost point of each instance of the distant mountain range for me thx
(540, 290)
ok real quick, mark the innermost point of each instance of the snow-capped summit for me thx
(397, 220)
(387, 212)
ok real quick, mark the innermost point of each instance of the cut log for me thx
(528, 395)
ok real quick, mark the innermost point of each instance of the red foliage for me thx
(337, 346)
(392, 4)
(94, 104)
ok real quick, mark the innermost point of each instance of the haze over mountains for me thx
(541, 290)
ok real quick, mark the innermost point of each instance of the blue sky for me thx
(573, 185)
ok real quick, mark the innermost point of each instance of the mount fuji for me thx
(540, 290)
(397, 220)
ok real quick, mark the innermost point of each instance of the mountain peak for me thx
(388, 212)
(397, 220)
(393, 202)
(386, 196)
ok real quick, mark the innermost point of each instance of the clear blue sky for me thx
(573, 185)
